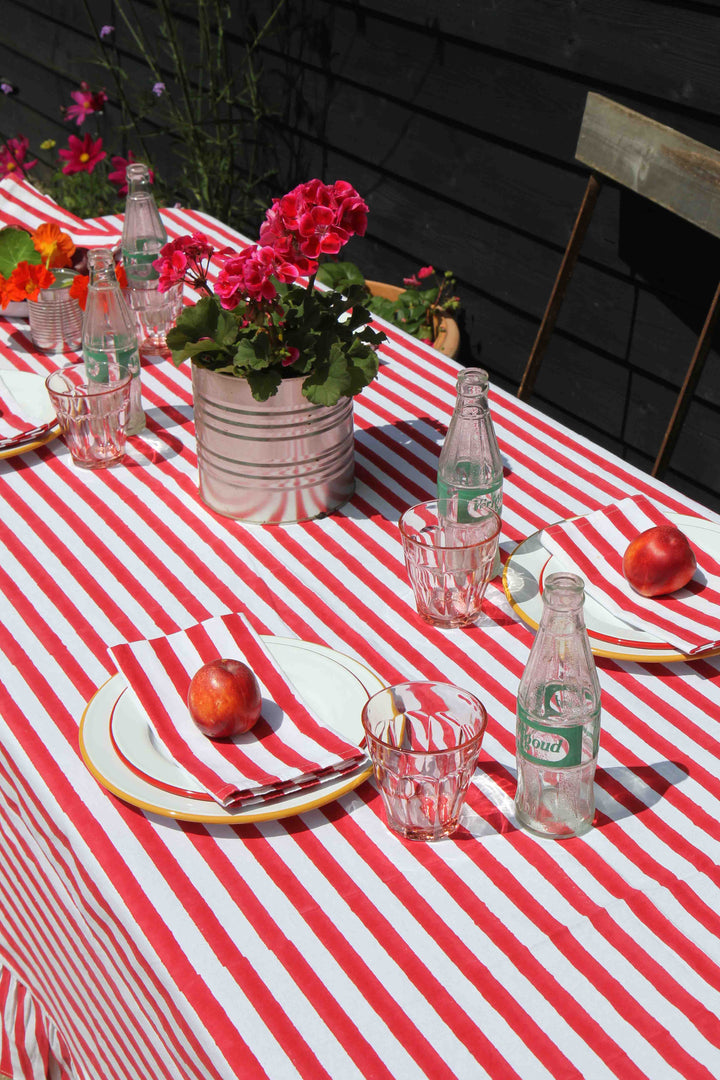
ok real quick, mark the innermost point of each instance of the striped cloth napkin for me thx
(288, 749)
(593, 547)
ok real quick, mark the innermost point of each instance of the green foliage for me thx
(336, 348)
(86, 195)
(210, 106)
(417, 308)
(16, 246)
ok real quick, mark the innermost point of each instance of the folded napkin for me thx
(593, 547)
(288, 748)
(25, 407)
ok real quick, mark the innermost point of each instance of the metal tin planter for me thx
(55, 317)
(273, 461)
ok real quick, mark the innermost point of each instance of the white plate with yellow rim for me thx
(27, 392)
(609, 636)
(119, 749)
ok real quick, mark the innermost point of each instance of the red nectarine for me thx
(658, 561)
(224, 698)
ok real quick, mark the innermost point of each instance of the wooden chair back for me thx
(662, 165)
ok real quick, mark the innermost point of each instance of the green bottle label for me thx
(138, 260)
(471, 501)
(100, 364)
(557, 745)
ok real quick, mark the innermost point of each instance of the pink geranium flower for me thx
(82, 155)
(87, 102)
(118, 176)
(249, 276)
(314, 219)
(185, 260)
(13, 157)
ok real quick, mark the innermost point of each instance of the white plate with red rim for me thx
(120, 750)
(530, 563)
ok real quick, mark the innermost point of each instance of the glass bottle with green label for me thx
(143, 236)
(558, 718)
(470, 472)
(109, 336)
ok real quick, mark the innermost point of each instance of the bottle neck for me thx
(472, 393)
(138, 180)
(563, 601)
(101, 267)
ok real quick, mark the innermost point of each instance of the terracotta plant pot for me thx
(447, 331)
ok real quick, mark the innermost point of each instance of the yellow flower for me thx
(48, 144)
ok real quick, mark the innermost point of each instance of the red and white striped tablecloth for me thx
(136, 947)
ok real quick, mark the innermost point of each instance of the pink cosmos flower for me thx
(118, 176)
(87, 102)
(13, 157)
(249, 276)
(83, 154)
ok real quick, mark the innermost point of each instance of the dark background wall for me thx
(458, 122)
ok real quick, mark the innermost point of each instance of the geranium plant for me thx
(264, 320)
(428, 296)
(28, 258)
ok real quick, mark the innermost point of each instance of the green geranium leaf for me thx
(204, 328)
(253, 354)
(325, 386)
(263, 384)
(203, 352)
(206, 319)
(16, 247)
(340, 275)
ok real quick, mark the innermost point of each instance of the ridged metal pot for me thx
(273, 461)
(56, 317)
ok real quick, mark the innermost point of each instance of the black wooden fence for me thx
(458, 121)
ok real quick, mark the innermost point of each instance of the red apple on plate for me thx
(659, 561)
(224, 698)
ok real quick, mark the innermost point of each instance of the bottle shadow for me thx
(621, 791)
(159, 442)
(418, 440)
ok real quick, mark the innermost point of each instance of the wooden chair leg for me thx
(559, 288)
(692, 377)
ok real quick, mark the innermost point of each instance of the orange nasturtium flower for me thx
(79, 289)
(25, 282)
(54, 246)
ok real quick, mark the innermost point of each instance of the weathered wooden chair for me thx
(666, 167)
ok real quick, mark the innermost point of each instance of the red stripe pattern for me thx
(322, 946)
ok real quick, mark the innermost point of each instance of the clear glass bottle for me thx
(470, 472)
(109, 336)
(143, 236)
(558, 718)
